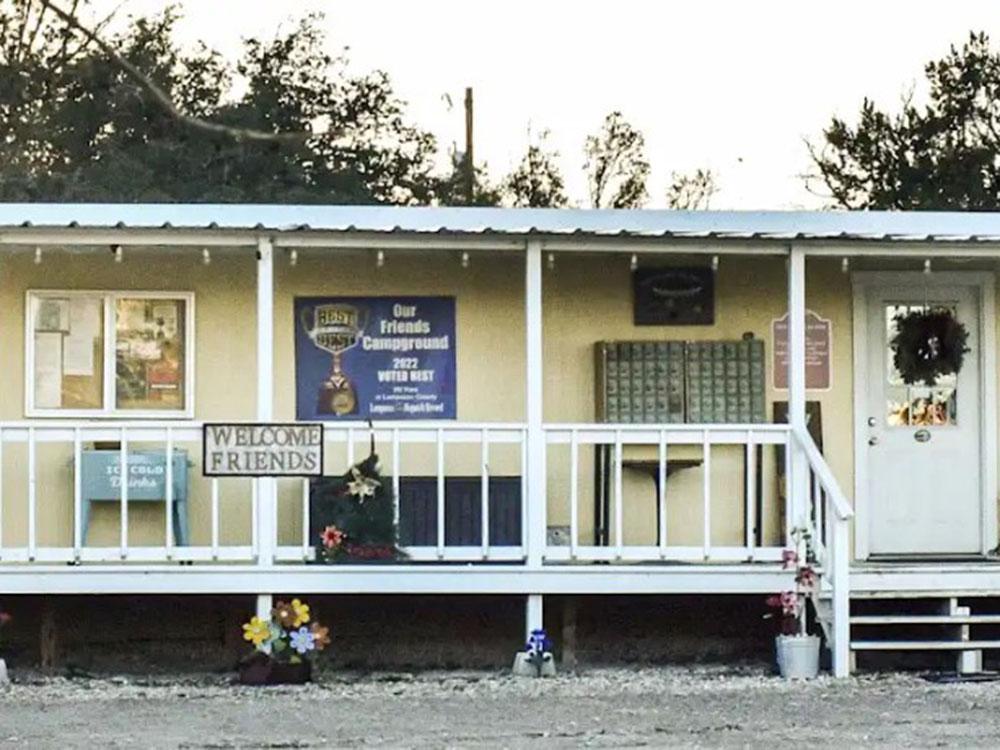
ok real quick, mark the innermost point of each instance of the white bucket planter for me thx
(797, 656)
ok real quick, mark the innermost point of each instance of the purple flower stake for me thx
(539, 649)
(302, 640)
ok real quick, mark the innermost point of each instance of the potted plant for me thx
(796, 651)
(284, 646)
(5, 619)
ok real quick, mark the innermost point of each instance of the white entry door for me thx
(923, 452)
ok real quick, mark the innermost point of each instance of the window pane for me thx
(917, 404)
(68, 351)
(150, 356)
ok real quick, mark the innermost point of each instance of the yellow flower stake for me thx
(257, 631)
(301, 612)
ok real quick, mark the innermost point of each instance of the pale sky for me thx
(726, 84)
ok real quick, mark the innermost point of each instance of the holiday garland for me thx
(354, 515)
(928, 344)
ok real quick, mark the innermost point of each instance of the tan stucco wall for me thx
(587, 298)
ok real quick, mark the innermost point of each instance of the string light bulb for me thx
(117, 250)
(380, 258)
(465, 259)
(845, 265)
(206, 256)
(551, 261)
(927, 266)
(38, 255)
(715, 264)
(634, 262)
(293, 257)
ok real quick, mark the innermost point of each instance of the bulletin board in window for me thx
(110, 353)
(68, 352)
(149, 354)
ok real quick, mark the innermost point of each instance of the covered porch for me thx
(536, 486)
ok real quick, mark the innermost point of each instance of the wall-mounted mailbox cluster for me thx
(702, 382)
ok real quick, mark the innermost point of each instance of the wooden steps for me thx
(945, 623)
(924, 645)
(925, 620)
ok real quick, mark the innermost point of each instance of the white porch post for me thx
(533, 404)
(266, 486)
(798, 470)
(534, 615)
(535, 453)
(836, 563)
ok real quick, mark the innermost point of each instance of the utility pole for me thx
(470, 169)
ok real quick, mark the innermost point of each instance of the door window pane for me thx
(917, 404)
(150, 354)
(68, 351)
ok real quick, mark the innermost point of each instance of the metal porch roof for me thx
(912, 226)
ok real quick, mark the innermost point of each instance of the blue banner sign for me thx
(374, 358)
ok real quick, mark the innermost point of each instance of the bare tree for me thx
(616, 165)
(693, 191)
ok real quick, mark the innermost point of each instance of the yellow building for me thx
(589, 401)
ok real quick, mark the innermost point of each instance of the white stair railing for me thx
(829, 513)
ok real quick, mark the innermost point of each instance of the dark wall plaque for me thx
(673, 296)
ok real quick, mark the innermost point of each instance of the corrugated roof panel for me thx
(733, 225)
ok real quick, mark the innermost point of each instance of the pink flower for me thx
(789, 603)
(806, 579)
(332, 537)
(786, 601)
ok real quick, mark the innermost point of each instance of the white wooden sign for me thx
(262, 450)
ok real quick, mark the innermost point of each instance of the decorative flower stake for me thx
(539, 650)
(288, 640)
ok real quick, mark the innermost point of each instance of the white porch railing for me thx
(41, 470)
(413, 448)
(704, 438)
(61, 447)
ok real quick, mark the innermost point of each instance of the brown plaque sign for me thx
(819, 345)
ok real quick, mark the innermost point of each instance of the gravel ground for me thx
(669, 706)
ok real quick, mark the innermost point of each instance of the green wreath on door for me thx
(928, 344)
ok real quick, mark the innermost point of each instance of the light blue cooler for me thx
(147, 470)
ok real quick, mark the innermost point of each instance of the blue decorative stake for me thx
(539, 649)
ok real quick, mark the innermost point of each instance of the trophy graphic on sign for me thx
(335, 328)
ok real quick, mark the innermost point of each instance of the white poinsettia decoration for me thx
(362, 486)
